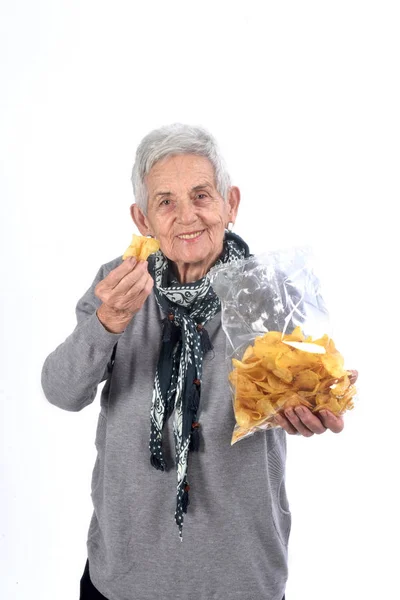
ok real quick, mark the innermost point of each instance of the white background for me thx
(303, 98)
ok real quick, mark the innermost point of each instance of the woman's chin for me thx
(193, 258)
(192, 253)
(200, 250)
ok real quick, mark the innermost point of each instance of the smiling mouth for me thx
(190, 236)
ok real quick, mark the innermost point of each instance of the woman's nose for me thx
(186, 212)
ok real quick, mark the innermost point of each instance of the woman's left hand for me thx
(301, 421)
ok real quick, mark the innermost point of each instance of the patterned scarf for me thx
(185, 341)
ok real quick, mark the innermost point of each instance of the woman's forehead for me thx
(187, 169)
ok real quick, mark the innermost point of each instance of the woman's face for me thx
(186, 213)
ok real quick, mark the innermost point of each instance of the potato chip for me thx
(265, 406)
(307, 347)
(306, 380)
(322, 398)
(141, 247)
(333, 363)
(338, 389)
(323, 341)
(292, 399)
(296, 336)
(248, 354)
(248, 366)
(276, 383)
(265, 387)
(281, 371)
(243, 417)
(292, 358)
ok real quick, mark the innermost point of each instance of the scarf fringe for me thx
(194, 443)
(205, 341)
(167, 330)
(156, 463)
(185, 499)
(194, 398)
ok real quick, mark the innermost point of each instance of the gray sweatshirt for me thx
(236, 530)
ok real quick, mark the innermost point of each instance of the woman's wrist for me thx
(113, 321)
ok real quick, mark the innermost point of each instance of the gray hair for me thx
(171, 140)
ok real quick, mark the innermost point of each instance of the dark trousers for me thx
(89, 592)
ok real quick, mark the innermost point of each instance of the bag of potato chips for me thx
(278, 339)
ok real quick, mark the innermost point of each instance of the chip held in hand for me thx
(141, 247)
(287, 370)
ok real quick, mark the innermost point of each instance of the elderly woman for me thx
(166, 418)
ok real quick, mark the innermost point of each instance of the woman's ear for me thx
(233, 203)
(140, 220)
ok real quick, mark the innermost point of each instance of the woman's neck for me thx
(188, 273)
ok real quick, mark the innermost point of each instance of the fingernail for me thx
(324, 413)
(299, 410)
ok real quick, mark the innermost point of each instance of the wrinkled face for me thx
(185, 212)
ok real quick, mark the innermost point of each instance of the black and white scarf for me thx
(185, 341)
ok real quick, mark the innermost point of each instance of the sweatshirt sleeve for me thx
(73, 371)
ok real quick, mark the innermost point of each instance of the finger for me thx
(331, 421)
(312, 422)
(144, 283)
(124, 294)
(138, 285)
(131, 278)
(297, 423)
(125, 267)
(353, 376)
(116, 275)
(282, 421)
(149, 285)
(146, 291)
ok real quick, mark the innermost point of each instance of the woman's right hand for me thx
(123, 293)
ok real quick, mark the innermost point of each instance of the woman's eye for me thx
(202, 196)
(165, 202)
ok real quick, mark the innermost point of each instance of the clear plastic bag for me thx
(278, 292)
